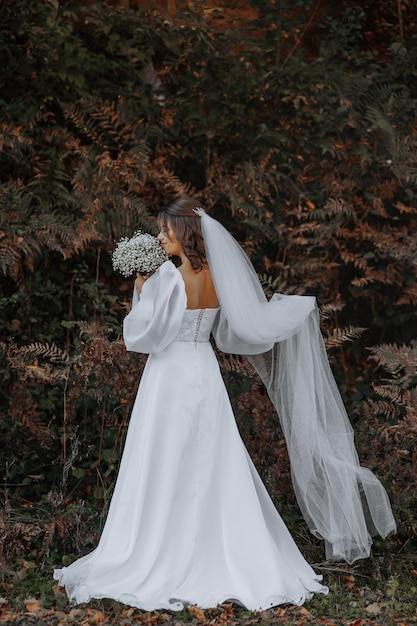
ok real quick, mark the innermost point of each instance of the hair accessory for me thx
(199, 210)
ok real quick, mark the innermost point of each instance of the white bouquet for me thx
(141, 253)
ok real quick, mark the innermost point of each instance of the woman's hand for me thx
(140, 281)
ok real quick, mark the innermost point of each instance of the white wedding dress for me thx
(190, 521)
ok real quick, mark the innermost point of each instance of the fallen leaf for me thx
(59, 591)
(128, 612)
(33, 605)
(414, 572)
(95, 617)
(373, 609)
(149, 619)
(349, 581)
(8, 617)
(198, 613)
(303, 611)
(76, 613)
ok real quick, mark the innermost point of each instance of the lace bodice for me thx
(196, 325)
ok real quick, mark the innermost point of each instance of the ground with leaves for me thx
(298, 131)
(381, 590)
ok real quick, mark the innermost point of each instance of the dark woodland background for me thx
(295, 124)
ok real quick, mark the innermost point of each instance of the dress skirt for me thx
(190, 521)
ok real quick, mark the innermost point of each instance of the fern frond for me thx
(333, 206)
(408, 297)
(398, 393)
(9, 258)
(396, 359)
(46, 351)
(46, 373)
(355, 258)
(309, 228)
(389, 391)
(383, 408)
(235, 363)
(272, 285)
(165, 180)
(327, 310)
(336, 337)
(406, 210)
(26, 413)
(371, 277)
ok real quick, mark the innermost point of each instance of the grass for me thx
(381, 590)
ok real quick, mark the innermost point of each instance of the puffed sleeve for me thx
(155, 318)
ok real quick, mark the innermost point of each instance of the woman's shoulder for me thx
(167, 266)
(167, 270)
(166, 277)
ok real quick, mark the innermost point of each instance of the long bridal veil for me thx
(342, 502)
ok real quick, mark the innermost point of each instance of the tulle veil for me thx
(343, 503)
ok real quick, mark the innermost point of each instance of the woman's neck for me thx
(185, 263)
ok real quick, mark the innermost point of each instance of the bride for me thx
(190, 521)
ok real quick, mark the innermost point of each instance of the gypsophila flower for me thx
(141, 253)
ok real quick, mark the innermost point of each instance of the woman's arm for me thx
(156, 317)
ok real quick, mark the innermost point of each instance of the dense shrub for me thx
(300, 135)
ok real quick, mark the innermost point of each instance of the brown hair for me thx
(186, 224)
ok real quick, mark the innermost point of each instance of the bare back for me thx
(199, 288)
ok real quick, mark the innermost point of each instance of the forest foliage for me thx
(297, 130)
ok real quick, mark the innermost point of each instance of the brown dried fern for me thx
(46, 351)
(338, 336)
(235, 363)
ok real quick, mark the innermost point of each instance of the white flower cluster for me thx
(141, 253)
